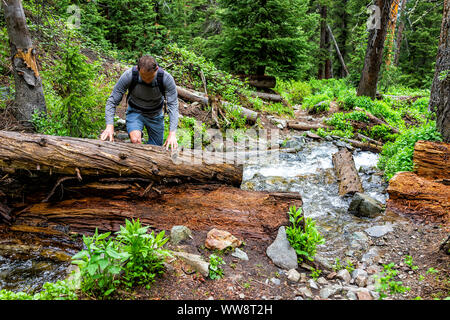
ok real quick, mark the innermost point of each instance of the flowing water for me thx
(310, 172)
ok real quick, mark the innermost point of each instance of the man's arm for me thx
(113, 101)
(172, 109)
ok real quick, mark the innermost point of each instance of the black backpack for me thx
(159, 81)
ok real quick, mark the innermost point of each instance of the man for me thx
(145, 104)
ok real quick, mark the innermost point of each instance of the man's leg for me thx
(155, 129)
(135, 124)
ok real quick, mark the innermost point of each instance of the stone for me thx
(328, 291)
(306, 292)
(363, 205)
(323, 262)
(359, 272)
(179, 233)
(351, 295)
(220, 240)
(344, 275)
(379, 231)
(195, 261)
(293, 275)
(238, 253)
(312, 284)
(322, 281)
(361, 280)
(275, 281)
(371, 256)
(281, 253)
(364, 295)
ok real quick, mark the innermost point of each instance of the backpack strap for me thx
(134, 81)
(159, 80)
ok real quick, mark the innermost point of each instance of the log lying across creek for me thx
(347, 175)
(57, 186)
(81, 157)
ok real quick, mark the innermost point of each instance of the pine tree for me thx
(263, 36)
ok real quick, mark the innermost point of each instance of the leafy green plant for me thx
(215, 271)
(317, 103)
(59, 290)
(303, 234)
(387, 284)
(100, 264)
(398, 155)
(144, 252)
(409, 262)
(315, 273)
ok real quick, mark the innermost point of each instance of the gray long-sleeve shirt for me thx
(145, 96)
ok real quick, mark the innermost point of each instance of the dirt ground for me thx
(252, 279)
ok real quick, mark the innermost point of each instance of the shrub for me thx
(314, 105)
(293, 91)
(398, 155)
(59, 290)
(303, 235)
(144, 254)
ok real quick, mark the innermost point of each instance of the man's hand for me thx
(108, 133)
(171, 141)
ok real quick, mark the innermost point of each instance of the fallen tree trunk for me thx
(192, 96)
(85, 207)
(85, 157)
(362, 145)
(377, 120)
(347, 175)
(250, 115)
(268, 96)
(305, 126)
(432, 159)
(419, 198)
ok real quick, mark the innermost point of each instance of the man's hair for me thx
(147, 63)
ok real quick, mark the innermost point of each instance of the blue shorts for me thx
(136, 120)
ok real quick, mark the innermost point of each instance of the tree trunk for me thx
(324, 60)
(419, 197)
(440, 92)
(192, 96)
(338, 52)
(201, 207)
(432, 160)
(401, 27)
(347, 175)
(28, 85)
(374, 53)
(86, 157)
(391, 27)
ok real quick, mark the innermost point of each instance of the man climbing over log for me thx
(149, 87)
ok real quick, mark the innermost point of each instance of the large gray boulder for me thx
(363, 205)
(281, 253)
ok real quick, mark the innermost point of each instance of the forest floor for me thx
(259, 279)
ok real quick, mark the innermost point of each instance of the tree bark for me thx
(338, 52)
(391, 27)
(347, 175)
(419, 197)
(268, 96)
(440, 89)
(401, 27)
(374, 53)
(87, 157)
(192, 96)
(324, 46)
(432, 159)
(29, 96)
(305, 126)
(201, 207)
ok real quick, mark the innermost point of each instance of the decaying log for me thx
(5, 213)
(85, 157)
(419, 198)
(192, 96)
(432, 159)
(262, 81)
(362, 145)
(248, 214)
(303, 126)
(268, 96)
(377, 120)
(347, 175)
(250, 115)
